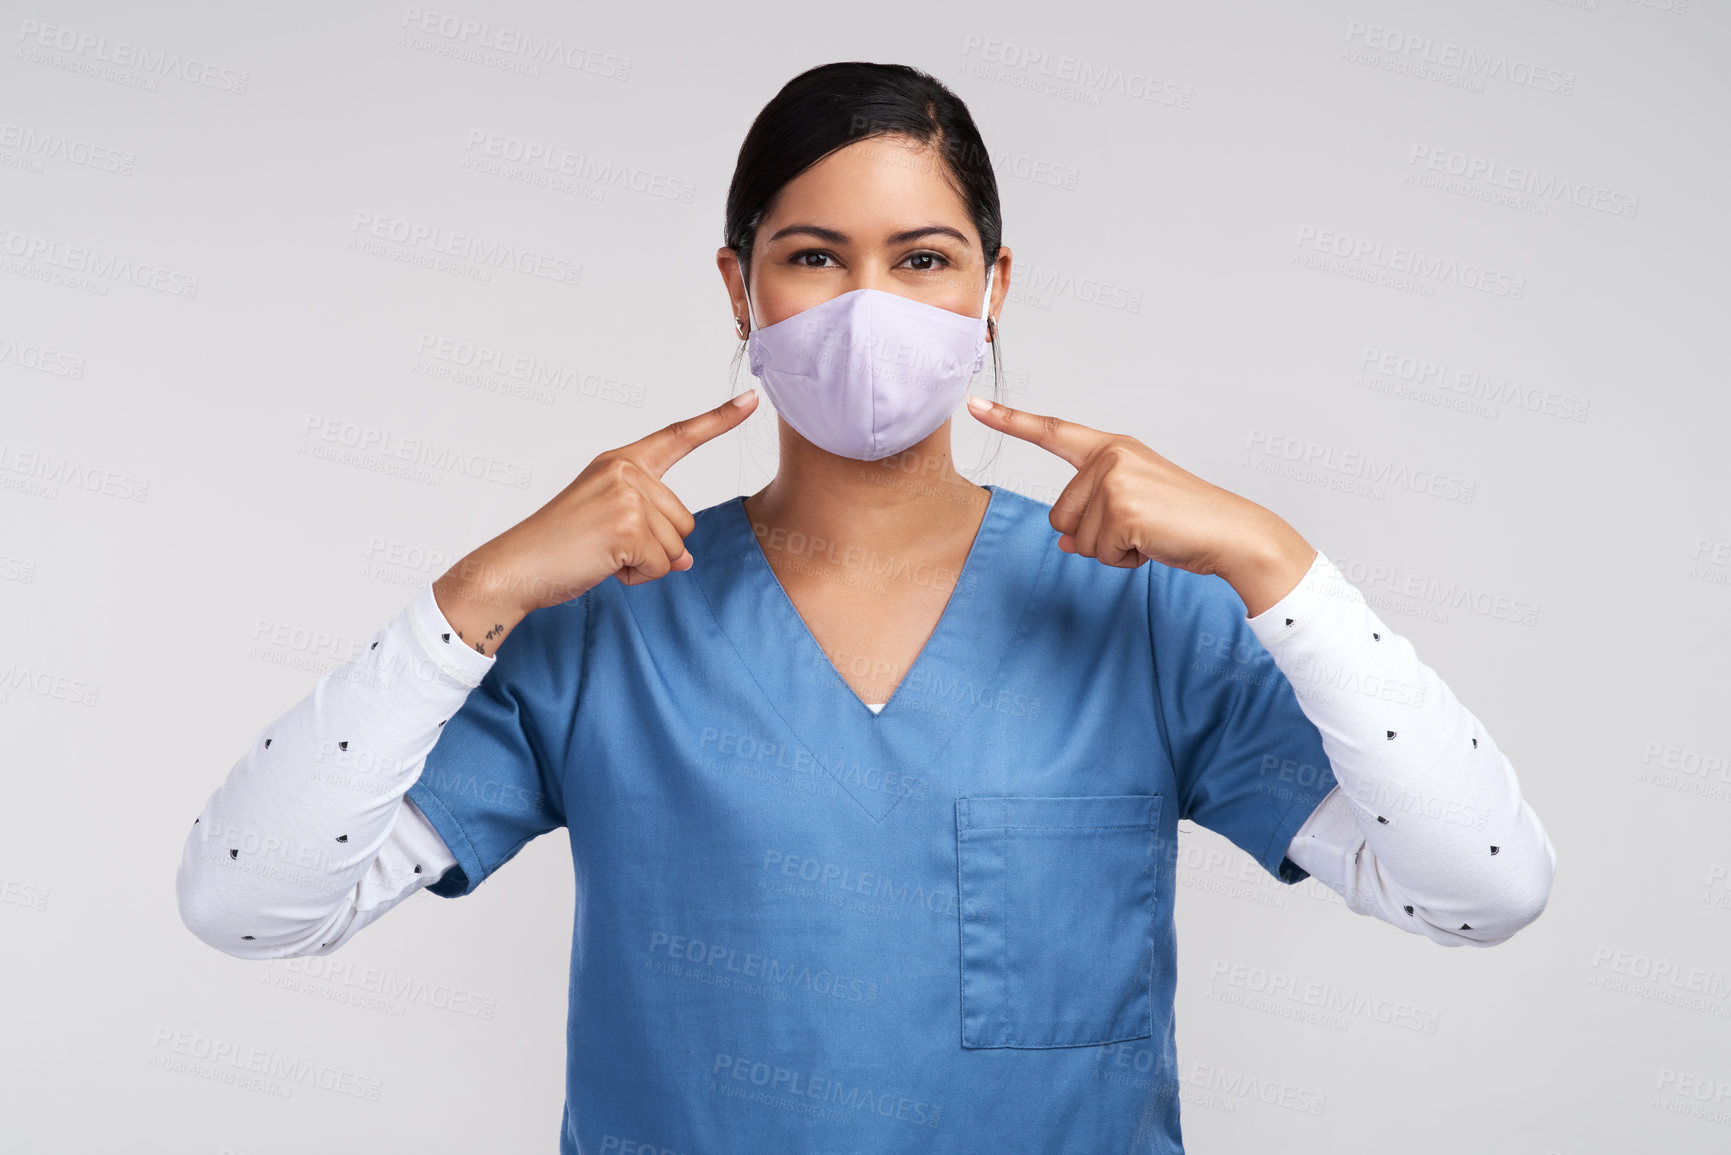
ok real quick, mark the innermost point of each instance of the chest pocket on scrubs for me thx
(1056, 902)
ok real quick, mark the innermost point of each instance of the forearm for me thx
(281, 847)
(1432, 832)
(1270, 565)
(475, 598)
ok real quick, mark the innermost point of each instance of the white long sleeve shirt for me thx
(1426, 828)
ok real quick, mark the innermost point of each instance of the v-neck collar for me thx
(813, 650)
(800, 683)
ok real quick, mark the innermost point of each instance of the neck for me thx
(913, 499)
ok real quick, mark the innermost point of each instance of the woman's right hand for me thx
(616, 519)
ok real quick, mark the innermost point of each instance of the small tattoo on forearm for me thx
(498, 628)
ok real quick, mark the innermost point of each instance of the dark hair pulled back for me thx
(834, 105)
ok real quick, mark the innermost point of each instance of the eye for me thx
(941, 261)
(799, 258)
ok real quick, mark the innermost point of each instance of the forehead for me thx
(877, 185)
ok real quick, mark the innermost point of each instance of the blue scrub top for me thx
(802, 926)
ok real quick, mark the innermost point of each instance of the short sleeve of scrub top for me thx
(802, 925)
(492, 781)
(1250, 765)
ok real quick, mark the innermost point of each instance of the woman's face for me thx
(878, 214)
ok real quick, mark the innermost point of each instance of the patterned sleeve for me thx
(307, 840)
(1428, 829)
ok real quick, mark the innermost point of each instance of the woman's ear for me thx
(1000, 287)
(728, 262)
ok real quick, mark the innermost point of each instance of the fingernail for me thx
(979, 404)
(745, 397)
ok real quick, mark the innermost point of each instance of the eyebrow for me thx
(840, 238)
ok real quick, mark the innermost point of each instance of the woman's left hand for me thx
(1127, 505)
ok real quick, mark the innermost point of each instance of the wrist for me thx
(1270, 569)
(484, 578)
(482, 599)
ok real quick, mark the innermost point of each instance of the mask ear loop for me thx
(986, 312)
(748, 311)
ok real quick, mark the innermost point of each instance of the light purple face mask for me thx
(869, 373)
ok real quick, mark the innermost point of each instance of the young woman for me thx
(872, 778)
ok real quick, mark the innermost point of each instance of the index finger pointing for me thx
(1068, 439)
(659, 450)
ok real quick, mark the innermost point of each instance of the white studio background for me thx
(213, 373)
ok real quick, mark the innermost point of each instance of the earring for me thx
(739, 327)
